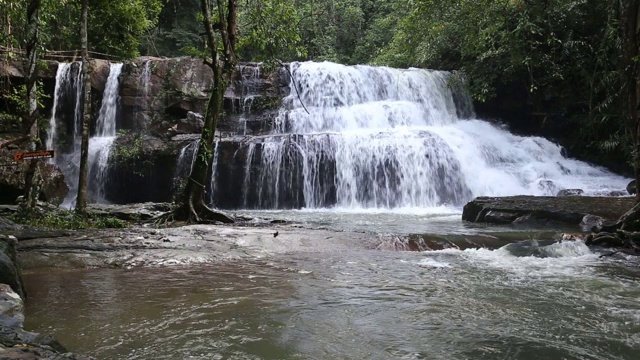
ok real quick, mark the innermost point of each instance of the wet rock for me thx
(9, 270)
(501, 217)
(141, 169)
(11, 309)
(98, 74)
(193, 124)
(566, 210)
(547, 186)
(130, 212)
(433, 242)
(6, 224)
(535, 220)
(590, 221)
(54, 188)
(631, 187)
(15, 342)
(12, 185)
(617, 193)
(570, 192)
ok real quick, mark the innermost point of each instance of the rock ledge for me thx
(542, 209)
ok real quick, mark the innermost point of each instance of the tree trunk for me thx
(629, 20)
(192, 206)
(81, 200)
(30, 120)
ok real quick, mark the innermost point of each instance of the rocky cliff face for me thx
(161, 100)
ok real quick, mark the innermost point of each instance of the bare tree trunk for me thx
(192, 206)
(30, 120)
(31, 116)
(81, 200)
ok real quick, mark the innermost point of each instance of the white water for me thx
(377, 137)
(100, 144)
(250, 90)
(62, 77)
(143, 112)
(184, 164)
(66, 85)
(143, 81)
(77, 125)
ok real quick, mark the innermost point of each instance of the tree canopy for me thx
(563, 57)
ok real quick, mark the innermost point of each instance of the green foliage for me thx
(564, 55)
(116, 27)
(64, 219)
(177, 32)
(267, 31)
(16, 100)
(129, 149)
(346, 31)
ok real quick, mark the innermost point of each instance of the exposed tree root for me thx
(201, 213)
(194, 214)
(624, 235)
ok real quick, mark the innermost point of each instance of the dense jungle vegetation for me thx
(548, 67)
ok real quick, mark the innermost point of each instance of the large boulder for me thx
(570, 192)
(9, 270)
(631, 187)
(193, 124)
(15, 342)
(541, 210)
(12, 182)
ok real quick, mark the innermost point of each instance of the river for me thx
(353, 302)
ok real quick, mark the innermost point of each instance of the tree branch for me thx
(294, 85)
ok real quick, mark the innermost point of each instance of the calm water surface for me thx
(564, 303)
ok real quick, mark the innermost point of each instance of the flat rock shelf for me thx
(541, 209)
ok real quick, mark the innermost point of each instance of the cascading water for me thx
(184, 162)
(62, 76)
(66, 140)
(250, 90)
(143, 109)
(376, 137)
(68, 91)
(100, 144)
(143, 81)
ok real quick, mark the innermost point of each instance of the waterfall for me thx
(68, 90)
(66, 140)
(250, 90)
(100, 144)
(62, 80)
(184, 163)
(143, 81)
(142, 111)
(377, 137)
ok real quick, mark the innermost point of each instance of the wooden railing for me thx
(61, 55)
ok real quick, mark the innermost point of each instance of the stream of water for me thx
(376, 152)
(324, 303)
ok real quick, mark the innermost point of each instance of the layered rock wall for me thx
(159, 100)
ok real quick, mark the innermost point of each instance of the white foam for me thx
(565, 259)
(381, 138)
